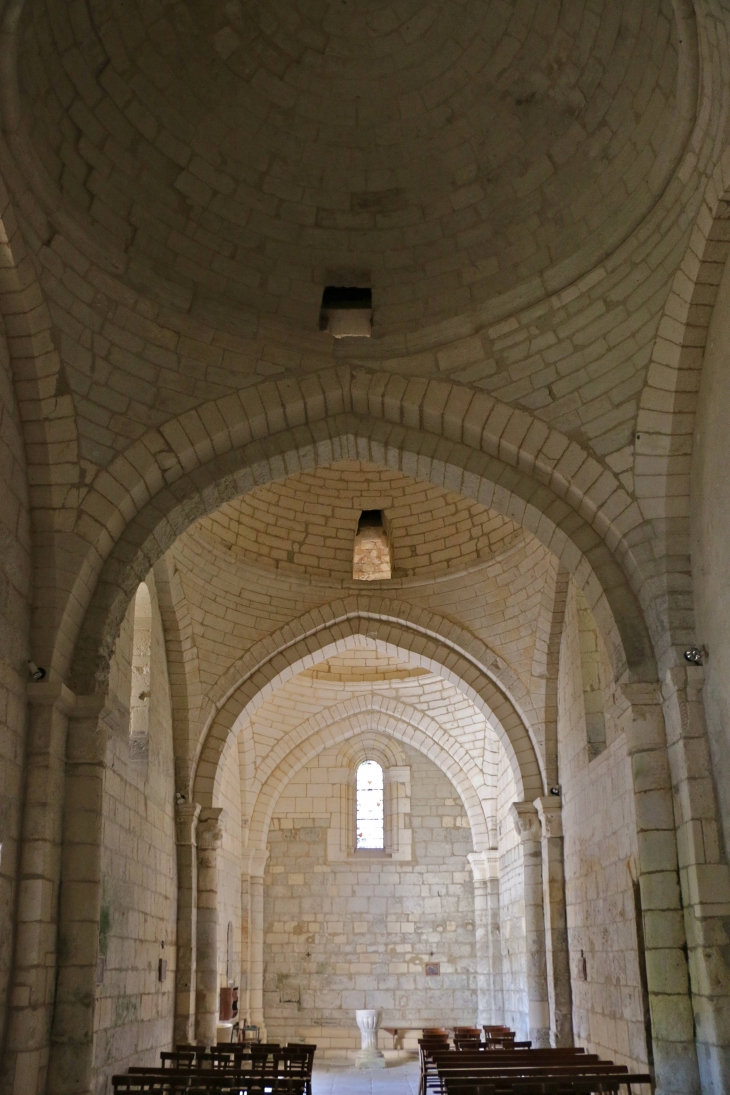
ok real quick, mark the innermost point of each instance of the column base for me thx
(369, 1058)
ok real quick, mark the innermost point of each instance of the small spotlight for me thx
(37, 672)
(554, 790)
(695, 655)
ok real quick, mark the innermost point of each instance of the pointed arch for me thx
(329, 632)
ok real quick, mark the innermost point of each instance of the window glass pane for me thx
(369, 805)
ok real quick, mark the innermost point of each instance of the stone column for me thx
(256, 867)
(527, 825)
(71, 1066)
(186, 822)
(209, 838)
(672, 1021)
(495, 937)
(703, 872)
(550, 812)
(33, 981)
(490, 1004)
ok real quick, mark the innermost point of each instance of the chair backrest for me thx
(178, 1059)
(300, 1057)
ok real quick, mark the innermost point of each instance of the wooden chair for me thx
(298, 1061)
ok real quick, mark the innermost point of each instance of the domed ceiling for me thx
(306, 525)
(238, 156)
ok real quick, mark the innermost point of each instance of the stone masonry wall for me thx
(600, 867)
(341, 936)
(14, 621)
(135, 1009)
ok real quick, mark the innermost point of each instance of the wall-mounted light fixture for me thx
(696, 655)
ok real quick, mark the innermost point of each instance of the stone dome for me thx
(461, 157)
(306, 524)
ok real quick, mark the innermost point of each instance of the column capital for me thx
(550, 812)
(484, 864)
(257, 863)
(526, 821)
(210, 828)
(642, 694)
(645, 726)
(186, 819)
(51, 694)
(680, 678)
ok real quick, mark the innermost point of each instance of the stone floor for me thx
(342, 1078)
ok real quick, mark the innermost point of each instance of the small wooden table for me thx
(397, 1034)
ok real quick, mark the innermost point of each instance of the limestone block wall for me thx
(341, 936)
(135, 1009)
(600, 868)
(511, 905)
(14, 622)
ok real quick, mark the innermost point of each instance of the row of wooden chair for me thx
(246, 1070)
(436, 1039)
(568, 1071)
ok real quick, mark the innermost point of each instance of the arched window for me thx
(369, 815)
(139, 706)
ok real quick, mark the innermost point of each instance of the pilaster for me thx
(209, 840)
(186, 823)
(672, 1020)
(71, 1066)
(703, 872)
(527, 825)
(550, 813)
(490, 1001)
(33, 984)
(256, 867)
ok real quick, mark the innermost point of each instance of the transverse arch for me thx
(441, 432)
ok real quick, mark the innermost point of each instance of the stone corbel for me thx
(645, 729)
(526, 821)
(484, 865)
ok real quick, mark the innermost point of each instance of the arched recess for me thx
(438, 431)
(397, 638)
(398, 725)
(666, 420)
